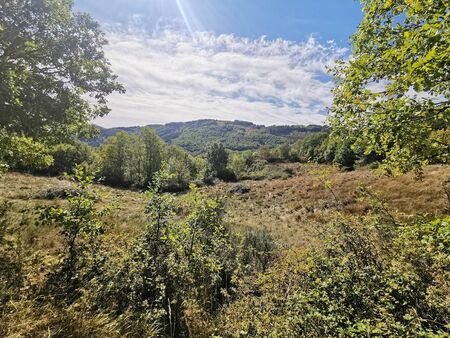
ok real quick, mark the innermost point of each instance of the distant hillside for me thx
(195, 136)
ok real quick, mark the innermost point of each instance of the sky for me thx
(263, 61)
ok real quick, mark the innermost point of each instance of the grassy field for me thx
(290, 209)
(301, 212)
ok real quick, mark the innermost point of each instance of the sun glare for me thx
(189, 18)
(184, 15)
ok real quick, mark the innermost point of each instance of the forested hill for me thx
(195, 136)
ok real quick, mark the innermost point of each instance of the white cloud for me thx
(172, 76)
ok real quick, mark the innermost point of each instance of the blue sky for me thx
(258, 60)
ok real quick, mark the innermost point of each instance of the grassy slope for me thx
(291, 209)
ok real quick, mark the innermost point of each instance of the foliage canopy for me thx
(394, 95)
(55, 77)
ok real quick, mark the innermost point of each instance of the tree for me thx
(237, 163)
(218, 158)
(51, 60)
(328, 149)
(283, 152)
(151, 156)
(308, 149)
(115, 159)
(80, 226)
(394, 94)
(244, 162)
(344, 156)
(182, 167)
(67, 156)
(265, 153)
(131, 160)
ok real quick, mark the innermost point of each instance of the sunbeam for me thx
(185, 17)
(188, 14)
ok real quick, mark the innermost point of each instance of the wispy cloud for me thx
(174, 76)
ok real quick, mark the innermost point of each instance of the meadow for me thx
(220, 229)
(288, 208)
(276, 222)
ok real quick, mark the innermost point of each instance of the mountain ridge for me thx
(236, 135)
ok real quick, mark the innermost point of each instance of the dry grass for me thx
(21, 192)
(294, 210)
(291, 209)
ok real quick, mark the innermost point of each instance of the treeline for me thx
(196, 136)
(329, 149)
(320, 147)
(131, 160)
(123, 160)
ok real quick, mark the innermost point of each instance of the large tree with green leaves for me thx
(217, 157)
(147, 152)
(394, 93)
(53, 71)
(115, 158)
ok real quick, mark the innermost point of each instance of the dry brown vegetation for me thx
(289, 208)
(295, 210)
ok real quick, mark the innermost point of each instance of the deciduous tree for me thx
(54, 74)
(218, 158)
(394, 94)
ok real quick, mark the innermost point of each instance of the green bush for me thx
(244, 163)
(217, 157)
(80, 226)
(67, 156)
(172, 264)
(352, 287)
(308, 149)
(344, 156)
(12, 277)
(259, 250)
(182, 167)
(23, 153)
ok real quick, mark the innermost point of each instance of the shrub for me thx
(266, 154)
(308, 149)
(67, 156)
(259, 249)
(244, 163)
(23, 153)
(172, 264)
(344, 156)
(3, 168)
(239, 189)
(217, 157)
(61, 193)
(352, 287)
(11, 277)
(182, 167)
(227, 175)
(80, 227)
